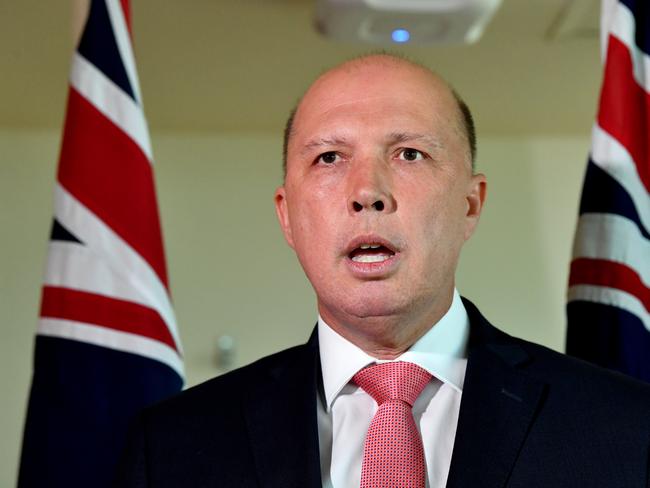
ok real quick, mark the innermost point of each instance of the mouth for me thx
(371, 250)
(371, 253)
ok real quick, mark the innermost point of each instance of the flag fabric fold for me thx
(107, 343)
(608, 307)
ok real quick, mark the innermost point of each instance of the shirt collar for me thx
(442, 351)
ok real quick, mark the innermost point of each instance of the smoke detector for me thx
(404, 21)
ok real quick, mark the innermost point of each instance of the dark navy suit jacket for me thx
(529, 417)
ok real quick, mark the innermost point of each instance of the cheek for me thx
(311, 227)
(439, 225)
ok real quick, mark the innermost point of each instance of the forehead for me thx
(385, 96)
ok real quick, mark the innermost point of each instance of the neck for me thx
(385, 336)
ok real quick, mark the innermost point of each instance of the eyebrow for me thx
(324, 141)
(401, 137)
(392, 138)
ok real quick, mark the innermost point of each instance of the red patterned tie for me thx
(393, 455)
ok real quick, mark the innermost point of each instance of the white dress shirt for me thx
(345, 412)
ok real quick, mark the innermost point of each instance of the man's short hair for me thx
(288, 129)
(467, 120)
(468, 127)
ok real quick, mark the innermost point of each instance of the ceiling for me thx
(239, 65)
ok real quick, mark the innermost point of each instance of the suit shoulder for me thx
(580, 377)
(234, 384)
(568, 377)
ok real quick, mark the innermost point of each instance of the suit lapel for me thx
(497, 409)
(281, 420)
(498, 405)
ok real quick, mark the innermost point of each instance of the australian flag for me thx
(609, 296)
(107, 343)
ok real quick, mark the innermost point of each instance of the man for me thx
(378, 199)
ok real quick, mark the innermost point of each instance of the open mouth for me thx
(371, 253)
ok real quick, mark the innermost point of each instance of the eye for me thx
(327, 157)
(410, 154)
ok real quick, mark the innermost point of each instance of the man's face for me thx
(379, 196)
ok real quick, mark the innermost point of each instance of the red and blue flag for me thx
(609, 296)
(107, 344)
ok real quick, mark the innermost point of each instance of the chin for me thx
(377, 306)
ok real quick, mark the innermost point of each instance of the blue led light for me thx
(401, 35)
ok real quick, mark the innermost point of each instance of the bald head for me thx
(379, 197)
(373, 65)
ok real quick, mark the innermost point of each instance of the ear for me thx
(282, 212)
(475, 199)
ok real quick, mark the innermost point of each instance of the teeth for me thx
(370, 246)
(373, 258)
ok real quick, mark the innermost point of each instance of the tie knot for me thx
(393, 381)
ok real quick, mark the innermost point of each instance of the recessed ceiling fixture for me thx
(404, 21)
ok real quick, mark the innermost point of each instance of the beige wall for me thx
(231, 272)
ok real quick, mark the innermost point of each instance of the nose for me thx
(370, 185)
